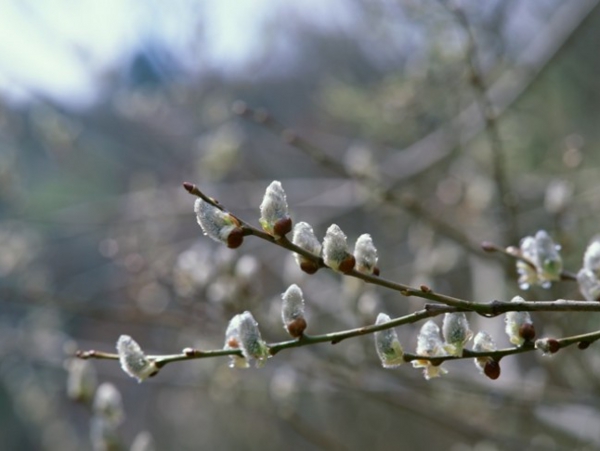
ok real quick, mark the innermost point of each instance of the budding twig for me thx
(336, 337)
(483, 308)
(514, 253)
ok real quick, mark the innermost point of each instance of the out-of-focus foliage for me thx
(97, 238)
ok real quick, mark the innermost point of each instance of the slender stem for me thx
(483, 308)
(515, 253)
(507, 199)
(336, 337)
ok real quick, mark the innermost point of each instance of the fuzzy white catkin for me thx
(483, 342)
(456, 332)
(589, 285)
(215, 223)
(335, 247)
(143, 442)
(514, 321)
(251, 342)
(132, 359)
(387, 345)
(591, 258)
(293, 304)
(108, 403)
(304, 237)
(273, 206)
(365, 254)
(429, 341)
(430, 344)
(81, 380)
(548, 260)
(232, 341)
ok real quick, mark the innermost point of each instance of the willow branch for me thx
(583, 341)
(492, 308)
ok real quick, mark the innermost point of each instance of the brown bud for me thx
(189, 187)
(488, 246)
(376, 271)
(425, 289)
(527, 332)
(282, 226)
(233, 343)
(296, 327)
(235, 238)
(492, 369)
(583, 344)
(347, 265)
(189, 352)
(308, 266)
(553, 345)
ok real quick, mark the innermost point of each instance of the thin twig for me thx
(515, 253)
(483, 308)
(335, 337)
(486, 107)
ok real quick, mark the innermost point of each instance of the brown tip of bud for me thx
(425, 289)
(233, 343)
(309, 267)
(282, 226)
(487, 246)
(376, 271)
(583, 344)
(348, 264)
(239, 107)
(189, 187)
(296, 327)
(553, 345)
(527, 332)
(235, 238)
(492, 369)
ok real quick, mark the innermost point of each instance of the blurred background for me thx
(106, 107)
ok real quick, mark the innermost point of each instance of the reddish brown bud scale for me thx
(282, 226)
(235, 238)
(296, 327)
(347, 265)
(376, 271)
(425, 289)
(553, 345)
(492, 369)
(189, 187)
(309, 267)
(488, 247)
(527, 332)
(583, 345)
(233, 343)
